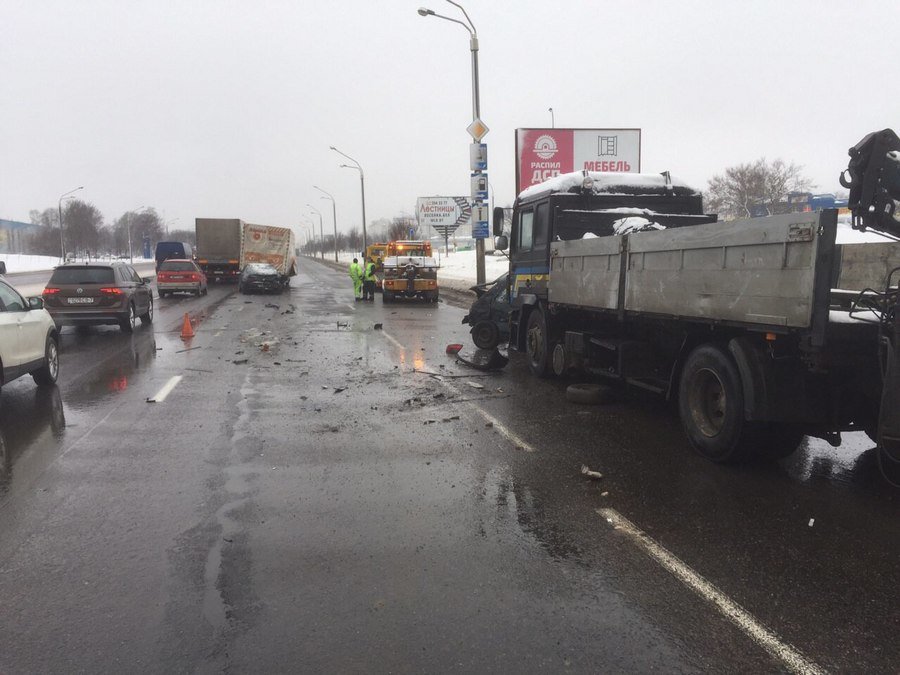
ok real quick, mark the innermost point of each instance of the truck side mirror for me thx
(501, 243)
(498, 221)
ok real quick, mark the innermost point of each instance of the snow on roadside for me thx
(18, 262)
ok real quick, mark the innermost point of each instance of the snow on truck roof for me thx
(609, 183)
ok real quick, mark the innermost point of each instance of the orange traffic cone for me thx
(187, 331)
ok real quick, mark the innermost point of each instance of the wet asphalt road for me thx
(324, 507)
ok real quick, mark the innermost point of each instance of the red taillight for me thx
(195, 276)
(111, 291)
(50, 291)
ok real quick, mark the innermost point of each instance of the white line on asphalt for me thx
(392, 339)
(765, 638)
(166, 390)
(351, 306)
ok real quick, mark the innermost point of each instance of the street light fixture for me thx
(62, 242)
(476, 107)
(362, 186)
(321, 234)
(333, 218)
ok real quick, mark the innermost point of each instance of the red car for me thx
(180, 276)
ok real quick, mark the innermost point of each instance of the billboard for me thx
(444, 214)
(544, 153)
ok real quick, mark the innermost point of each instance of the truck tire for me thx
(711, 405)
(537, 344)
(485, 335)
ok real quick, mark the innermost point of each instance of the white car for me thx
(29, 340)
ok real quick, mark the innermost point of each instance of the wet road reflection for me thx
(31, 421)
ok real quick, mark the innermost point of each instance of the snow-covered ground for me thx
(19, 262)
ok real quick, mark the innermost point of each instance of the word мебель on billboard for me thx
(542, 154)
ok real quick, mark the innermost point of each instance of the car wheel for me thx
(485, 335)
(711, 406)
(537, 345)
(147, 318)
(128, 323)
(47, 373)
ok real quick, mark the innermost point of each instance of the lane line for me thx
(792, 659)
(166, 390)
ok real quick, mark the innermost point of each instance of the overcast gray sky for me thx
(227, 109)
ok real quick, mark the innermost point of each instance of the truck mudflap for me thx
(889, 415)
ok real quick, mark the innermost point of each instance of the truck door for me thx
(531, 245)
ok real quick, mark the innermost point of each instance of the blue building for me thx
(14, 235)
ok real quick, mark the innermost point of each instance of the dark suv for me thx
(98, 294)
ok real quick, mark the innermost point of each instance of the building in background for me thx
(15, 235)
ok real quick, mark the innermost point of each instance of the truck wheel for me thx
(485, 335)
(711, 405)
(537, 346)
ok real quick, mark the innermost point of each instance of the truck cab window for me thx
(541, 225)
(524, 238)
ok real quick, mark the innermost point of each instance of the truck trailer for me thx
(764, 330)
(219, 247)
(272, 245)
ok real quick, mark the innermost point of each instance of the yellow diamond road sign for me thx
(477, 129)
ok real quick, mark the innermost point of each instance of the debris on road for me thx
(484, 359)
(272, 306)
(454, 348)
(338, 390)
(238, 362)
(475, 385)
(812, 522)
(450, 419)
(379, 326)
(590, 474)
(189, 349)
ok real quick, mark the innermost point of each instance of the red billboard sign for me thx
(544, 153)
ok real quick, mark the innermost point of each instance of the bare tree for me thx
(354, 240)
(742, 188)
(188, 236)
(81, 225)
(403, 227)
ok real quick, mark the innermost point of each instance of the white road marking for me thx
(393, 340)
(166, 390)
(792, 659)
(351, 307)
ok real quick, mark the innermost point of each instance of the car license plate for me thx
(178, 278)
(80, 301)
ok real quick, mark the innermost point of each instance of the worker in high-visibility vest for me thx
(369, 281)
(356, 274)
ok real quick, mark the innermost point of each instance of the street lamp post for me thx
(362, 186)
(476, 111)
(333, 218)
(62, 241)
(321, 234)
